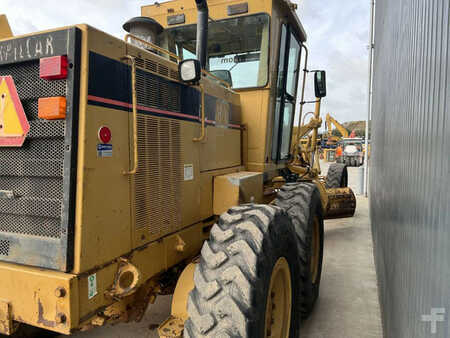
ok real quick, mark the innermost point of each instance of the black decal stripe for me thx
(110, 87)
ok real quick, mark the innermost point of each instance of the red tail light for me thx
(53, 68)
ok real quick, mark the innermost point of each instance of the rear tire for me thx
(302, 203)
(234, 275)
(337, 176)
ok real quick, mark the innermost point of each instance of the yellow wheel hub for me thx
(279, 301)
(315, 251)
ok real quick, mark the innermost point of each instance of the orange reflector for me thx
(52, 108)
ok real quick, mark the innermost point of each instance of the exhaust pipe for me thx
(202, 31)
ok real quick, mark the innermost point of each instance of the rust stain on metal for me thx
(41, 319)
(6, 326)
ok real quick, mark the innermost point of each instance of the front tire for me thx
(302, 203)
(250, 249)
(337, 176)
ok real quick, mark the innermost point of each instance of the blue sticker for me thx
(104, 150)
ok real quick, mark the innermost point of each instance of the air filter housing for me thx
(145, 28)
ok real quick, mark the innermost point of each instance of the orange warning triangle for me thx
(14, 125)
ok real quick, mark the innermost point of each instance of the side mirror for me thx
(320, 84)
(190, 70)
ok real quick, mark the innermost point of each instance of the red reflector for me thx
(53, 68)
(104, 134)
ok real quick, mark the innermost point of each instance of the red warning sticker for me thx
(14, 125)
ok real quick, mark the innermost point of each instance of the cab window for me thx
(237, 47)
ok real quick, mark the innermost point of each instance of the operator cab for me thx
(254, 47)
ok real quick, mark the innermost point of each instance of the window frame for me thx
(268, 45)
(285, 96)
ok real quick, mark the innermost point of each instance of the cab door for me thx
(286, 94)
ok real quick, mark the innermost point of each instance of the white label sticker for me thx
(92, 285)
(104, 150)
(188, 172)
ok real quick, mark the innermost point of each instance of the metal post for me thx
(369, 98)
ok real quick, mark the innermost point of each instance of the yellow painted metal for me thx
(330, 122)
(184, 286)
(105, 225)
(237, 188)
(6, 322)
(323, 192)
(279, 301)
(134, 170)
(316, 129)
(257, 104)
(342, 203)
(172, 327)
(310, 153)
(5, 29)
(10, 125)
(34, 297)
(207, 192)
(217, 8)
(329, 155)
(202, 135)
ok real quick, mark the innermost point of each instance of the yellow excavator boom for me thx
(330, 121)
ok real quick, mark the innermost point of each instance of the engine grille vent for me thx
(160, 174)
(157, 68)
(154, 92)
(4, 248)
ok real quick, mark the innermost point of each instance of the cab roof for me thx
(218, 10)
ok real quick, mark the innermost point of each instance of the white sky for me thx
(337, 38)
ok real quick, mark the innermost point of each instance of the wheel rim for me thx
(279, 301)
(315, 251)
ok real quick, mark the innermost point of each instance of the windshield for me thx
(238, 48)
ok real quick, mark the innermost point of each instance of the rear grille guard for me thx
(36, 226)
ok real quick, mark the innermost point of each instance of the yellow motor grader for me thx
(163, 164)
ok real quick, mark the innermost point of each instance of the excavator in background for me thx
(330, 144)
(163, 164)
(347, 149)
(333, 140)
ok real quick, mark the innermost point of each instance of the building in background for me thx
(410, 177)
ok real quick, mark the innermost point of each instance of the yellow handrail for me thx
(152, 45)
(203, 134)
(134, 170)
